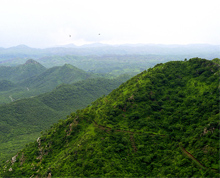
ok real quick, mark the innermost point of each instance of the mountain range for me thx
(193, 50)
(32, 78)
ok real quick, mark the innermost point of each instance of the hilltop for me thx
(164, 122)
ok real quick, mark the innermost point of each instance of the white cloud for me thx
(41, 23)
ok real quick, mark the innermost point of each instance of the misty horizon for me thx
(72, 45)
(43, 24)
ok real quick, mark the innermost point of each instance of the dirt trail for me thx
(131, 134)
(194, 159)
(125, 131)
(11, 98)
(133, 143)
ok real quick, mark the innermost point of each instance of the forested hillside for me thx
(32, 79)
(22, 121)
(164, 122)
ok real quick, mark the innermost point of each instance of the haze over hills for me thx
(164, 122)
(188, 51)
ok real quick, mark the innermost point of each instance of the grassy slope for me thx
(149, 116)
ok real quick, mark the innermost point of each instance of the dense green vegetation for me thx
(163, 122)
(31, 79)
(23, 118)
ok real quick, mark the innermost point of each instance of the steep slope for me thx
(22, 121)
(163, 122)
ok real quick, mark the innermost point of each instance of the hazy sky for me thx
(45, 23)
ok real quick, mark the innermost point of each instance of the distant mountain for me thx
(20, 47)
(98, 49)
(108, 64)
(164, 122)
(21, 72)
(31, 79)
(55, 76)
(22, 121)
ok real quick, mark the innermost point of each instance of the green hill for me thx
(21, 72)
(56, 76)
(22, 121)
(163, 122)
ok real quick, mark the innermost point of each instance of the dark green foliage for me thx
(163, 122)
